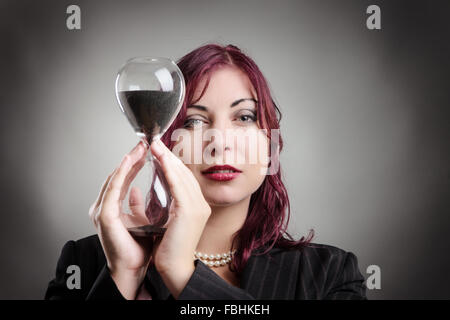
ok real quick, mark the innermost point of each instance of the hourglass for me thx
(150, 92)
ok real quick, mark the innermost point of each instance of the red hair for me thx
(269, 210)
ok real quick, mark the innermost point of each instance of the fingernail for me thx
(144, 143)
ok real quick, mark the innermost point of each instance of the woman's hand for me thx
(127, 257)
(189, 212)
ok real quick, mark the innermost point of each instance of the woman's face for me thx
(228, 110)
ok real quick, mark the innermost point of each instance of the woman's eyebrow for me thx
(241, 100)
(203, 108)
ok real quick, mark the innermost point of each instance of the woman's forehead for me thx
(228, 83)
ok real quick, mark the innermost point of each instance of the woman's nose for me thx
(221, 138)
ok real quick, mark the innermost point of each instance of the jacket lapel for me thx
(270, 276)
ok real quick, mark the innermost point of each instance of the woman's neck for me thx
(222, 224)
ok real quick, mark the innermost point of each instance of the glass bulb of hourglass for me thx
(150, 92)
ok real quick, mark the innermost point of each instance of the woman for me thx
(244, 213)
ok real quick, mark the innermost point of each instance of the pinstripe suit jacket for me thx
(317, 271)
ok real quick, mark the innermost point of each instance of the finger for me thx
(97, 202)
(175, 171)
(105, 184)
(136, 203)
(132, 174)
(130, 221)
(185, 175)
(182, 182)
(170, 166)
(116, 184)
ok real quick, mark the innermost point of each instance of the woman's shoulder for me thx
(83, 264)
(324, 248)
(92, 240)
(319, 255)
(88, 243)
(311, 247)
(328, 253)
(313, 252)
(83, 249)
(331, 268)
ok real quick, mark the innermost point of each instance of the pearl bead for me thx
(214, 260)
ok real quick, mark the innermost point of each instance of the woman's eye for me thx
(191, 123)
(248, 118)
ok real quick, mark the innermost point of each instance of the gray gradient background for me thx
(365, 121)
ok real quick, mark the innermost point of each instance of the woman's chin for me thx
(221, 200)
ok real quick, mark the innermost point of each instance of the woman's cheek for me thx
(264, 151)
(253, 177)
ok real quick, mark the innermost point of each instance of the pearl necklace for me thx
(215, 260)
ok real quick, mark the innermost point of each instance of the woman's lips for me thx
(221, 173)
(221, 176)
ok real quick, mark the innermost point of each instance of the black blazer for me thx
(317, 271)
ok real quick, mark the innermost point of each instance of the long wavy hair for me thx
(269, 210)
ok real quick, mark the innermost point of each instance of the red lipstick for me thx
(221, 173)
